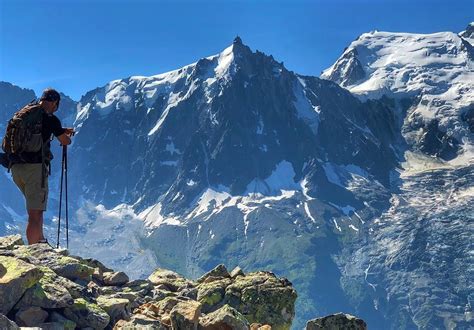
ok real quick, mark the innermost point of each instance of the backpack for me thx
(24, 131)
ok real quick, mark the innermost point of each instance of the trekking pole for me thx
(60, 197)
(67, 205)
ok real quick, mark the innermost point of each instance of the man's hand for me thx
(65, 138)
(69, 131)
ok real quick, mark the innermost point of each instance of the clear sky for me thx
(78, 45)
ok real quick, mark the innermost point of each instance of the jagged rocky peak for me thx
(238, 47)
(237, 41)
(468, 33)
(48, 288)
(347, 70)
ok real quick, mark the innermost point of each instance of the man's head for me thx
(50, 100)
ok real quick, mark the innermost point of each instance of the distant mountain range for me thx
(357, 186)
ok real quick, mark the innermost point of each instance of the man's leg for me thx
(34, 229)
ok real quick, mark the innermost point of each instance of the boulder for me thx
(225, 317)
(173, 281)
(16, 276)
(6, 323)
(30, 316)
(263, 298)
(94, 264)
(114, 278)
(217, 273)
(57, 318)
(44, 255)
(211, 294)
(339, 321)
(185, 315)
(72, 268)
(117, 308)
(8, 242)
(141, 288)
(47, 293)
(237, 271)
(86, 314)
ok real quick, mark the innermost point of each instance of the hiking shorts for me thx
(28, 179)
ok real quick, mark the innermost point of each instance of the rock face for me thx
(44, 287)
(337, 322)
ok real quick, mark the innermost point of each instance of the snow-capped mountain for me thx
(417, 255)
(223, 156)
(225, 123)
(434, 71)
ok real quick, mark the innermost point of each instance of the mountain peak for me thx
(237, 41)
(468, 33)
(238, 47)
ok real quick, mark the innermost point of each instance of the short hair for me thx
(50, 94)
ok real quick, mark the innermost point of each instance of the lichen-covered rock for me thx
(263, 298)
(46, 288)
(138, 288)
(117, 308)
(47, 293)
(225, 317)
(30, 316)
(72, 269)
(9, 242)
(16, 276)
(211, 294)
(173, 281)
(114, 278)
(94, 264)
(217, 273)
(6, 323)
(44, 255)
(338, 321)
(185, 315)
(86, 314)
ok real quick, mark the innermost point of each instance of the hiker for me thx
(30, 167)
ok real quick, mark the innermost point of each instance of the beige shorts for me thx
(28, 179)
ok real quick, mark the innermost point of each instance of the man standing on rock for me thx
(30, 156)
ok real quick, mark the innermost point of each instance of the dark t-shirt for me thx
(51, 126)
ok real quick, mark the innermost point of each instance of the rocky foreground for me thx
(47, 288)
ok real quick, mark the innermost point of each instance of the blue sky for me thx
(78, 45)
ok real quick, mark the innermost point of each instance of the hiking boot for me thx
(45, 241)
